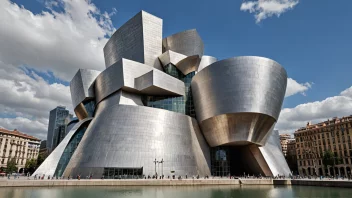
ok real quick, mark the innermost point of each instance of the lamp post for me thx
(155, 165)
(162, 162)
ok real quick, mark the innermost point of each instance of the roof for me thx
(17, 133)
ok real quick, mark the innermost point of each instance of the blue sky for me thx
(312, 40)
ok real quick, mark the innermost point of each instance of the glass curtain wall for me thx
(220, 161)
(123, 173)
(69, 150)
(180, 104)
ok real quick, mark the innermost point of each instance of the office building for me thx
(56, 127)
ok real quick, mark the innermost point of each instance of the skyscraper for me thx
(56, 127)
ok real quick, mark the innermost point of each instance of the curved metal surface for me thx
(188, 64)
(237, 129)
(48, 167)
(171, 57)
(133, 136)
(206, 61)
(226, 91)
(139, 39)
(187, 43)
(273, 155)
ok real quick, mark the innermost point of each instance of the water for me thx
(264, 191)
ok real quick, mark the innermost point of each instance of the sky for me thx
(44, 42)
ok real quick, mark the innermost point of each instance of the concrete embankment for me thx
(328, 183)
(129, 182)
(167, 182)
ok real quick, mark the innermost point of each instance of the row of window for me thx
(320, 162)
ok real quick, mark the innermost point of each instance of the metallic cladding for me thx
(238, 100)
(123, 74)
(133, 136)
(238, 85)
(48, 167)
(273, 155)
(205, 62)
(139, 39)
(171, 57)
(80, 84)
(187, 43)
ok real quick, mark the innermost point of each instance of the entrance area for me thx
(123, 173)
(237, 161)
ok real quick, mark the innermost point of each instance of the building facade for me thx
(283, 141)
(56, 127)
(314, 140)
(14, 144)
(161, 107)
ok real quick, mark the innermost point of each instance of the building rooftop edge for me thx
(329, 122)
(17, 133)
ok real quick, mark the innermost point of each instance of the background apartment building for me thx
(283, 141)
(14, 144)
(313, 141)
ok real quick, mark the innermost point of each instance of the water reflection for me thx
(265, 191)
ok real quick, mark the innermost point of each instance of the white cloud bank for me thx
(61, 42)
(263, 9)
(293, 118)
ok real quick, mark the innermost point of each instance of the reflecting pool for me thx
(263, 191)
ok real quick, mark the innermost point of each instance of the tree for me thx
(31, 165)
(11, 166)
(41, 158)
(328, 158)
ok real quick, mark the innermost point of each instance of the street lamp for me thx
(162, 162)
(155, 165)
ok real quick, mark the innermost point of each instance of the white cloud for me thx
(263, 9)
(29, 100)
(60, 42)
(34, 128)
(337, 106)
(293, 87)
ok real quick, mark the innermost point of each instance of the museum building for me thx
(162, 107)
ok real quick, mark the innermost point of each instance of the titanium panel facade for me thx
(199, 116)
(242, 96)
(273, 155)
(205, 62)
(123, 75)
(133, 136)
(81, 87)
(48, 167)
(139, 39)
(187, 43)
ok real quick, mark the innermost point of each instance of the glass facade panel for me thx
(90, 107)
(220, 161)
(69, 150)
(180, 104)
(123, 173)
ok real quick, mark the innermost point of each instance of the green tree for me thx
(11, 166)
(328, 158)
(41, 158)
(31, 165)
